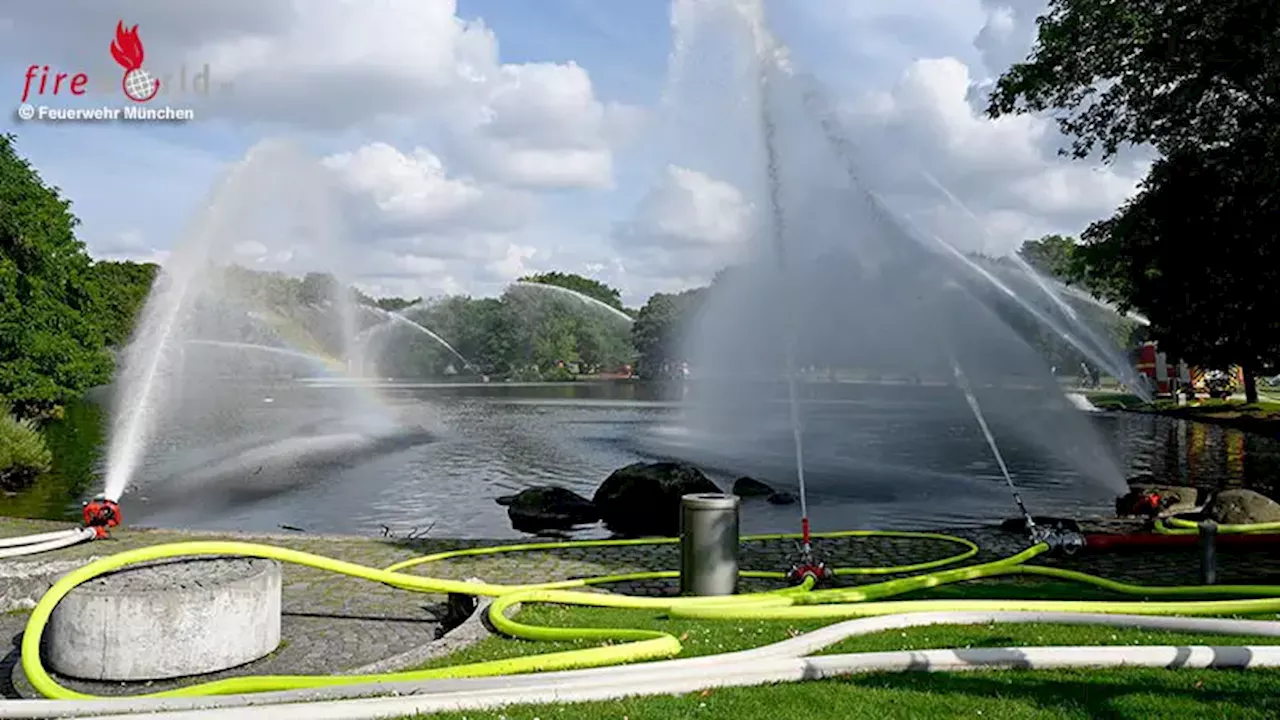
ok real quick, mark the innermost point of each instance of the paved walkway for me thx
(332, 623)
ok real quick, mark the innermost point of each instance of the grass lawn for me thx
(1261, 417)
(1114, 693)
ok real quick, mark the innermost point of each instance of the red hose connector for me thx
(101, 514)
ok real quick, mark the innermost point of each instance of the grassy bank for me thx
(1261, 417)
(1129, 694)
(1115, 693)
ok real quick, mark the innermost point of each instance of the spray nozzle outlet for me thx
(101, 514)
(808, 566)
(1060, 540)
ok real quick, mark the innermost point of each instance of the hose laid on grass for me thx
(638, 644)
(44, 542)
(37, 538)
(783, 661)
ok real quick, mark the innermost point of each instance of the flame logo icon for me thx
(137, 83)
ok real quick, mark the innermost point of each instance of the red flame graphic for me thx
(127, 48)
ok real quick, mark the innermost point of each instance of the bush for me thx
(558, 374)
(23, 452)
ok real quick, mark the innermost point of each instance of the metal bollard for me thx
(709, 544)
(1208, 552)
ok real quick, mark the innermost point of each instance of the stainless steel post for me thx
(1208, 552)
(709, 544)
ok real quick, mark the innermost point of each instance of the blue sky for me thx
(464, 154)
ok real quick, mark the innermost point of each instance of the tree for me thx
(119, 290)
(659, 330)
(318, 288)
(394, 304)
(1169, 74)
(577, 283)
(50, 349)
(1205, 302)
(1200, 82)
(1050, 255)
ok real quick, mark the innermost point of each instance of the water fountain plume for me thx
(836, 299)
(216, 340)
(574, 294)
(1098, 351)
(393, 318)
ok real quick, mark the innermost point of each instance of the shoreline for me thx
(1260, 419)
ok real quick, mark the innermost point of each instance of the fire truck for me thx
(1168, 378)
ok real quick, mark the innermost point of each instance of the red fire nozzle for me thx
(100, 514)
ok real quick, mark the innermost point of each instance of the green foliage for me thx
(119, 291)
(1051, 255)
(1199, 81)
(23, 453)
(395, 304)
(51, 350)
(577, 283)
(558, 373)
(659, 330)
(1194, 73)
(1212, 305)
(316, 288)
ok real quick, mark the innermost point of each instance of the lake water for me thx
(930, 469)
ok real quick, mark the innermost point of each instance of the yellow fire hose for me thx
(801, 602)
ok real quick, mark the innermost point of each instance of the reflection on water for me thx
(895, 461)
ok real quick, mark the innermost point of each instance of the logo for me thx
(137, 83)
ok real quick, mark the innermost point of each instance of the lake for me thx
(880, 457)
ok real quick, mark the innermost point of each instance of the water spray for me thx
(1057, 538)
(972, 399)
(807, 566)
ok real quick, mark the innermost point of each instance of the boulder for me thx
(1242, 507)
(644, 498)
(548, 508)
(781, 497)
(750, 487)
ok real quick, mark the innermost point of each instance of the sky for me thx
(453, 146)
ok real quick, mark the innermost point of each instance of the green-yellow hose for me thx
(1178, 526)
(633, 645)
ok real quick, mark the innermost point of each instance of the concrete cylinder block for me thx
(167, 619)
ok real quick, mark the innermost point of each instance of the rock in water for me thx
(548, 508)
(750, 487)
(644, 498)
(781, 497)
(1242, 507)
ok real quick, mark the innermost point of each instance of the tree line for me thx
(1195, 82)
(1198, 83)
(62, 314)
(60, 311)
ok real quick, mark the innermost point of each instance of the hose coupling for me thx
(101, 514)
(1060, 540)
(808, 567)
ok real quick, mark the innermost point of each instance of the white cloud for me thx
(337, 65)
(424, 231)
(1005, 172)
(127, 245)
(1008, 33)
(688, 226)
(460, 171)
